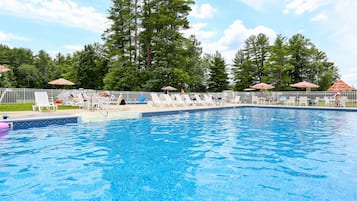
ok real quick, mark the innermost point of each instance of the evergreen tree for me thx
(299, 50)
(218, 77)
(257, 48)
(278, 68)
(243, 71)
(44, 63)
(90, 67)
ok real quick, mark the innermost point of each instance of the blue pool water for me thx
(231, 154)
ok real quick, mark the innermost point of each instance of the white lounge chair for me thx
(343, 101)
(255, 100)
(187, 100)
(303, 100)
(165, 99)
(198, 100)
(328, 101)
(155, 100)
(208, 100)
(291, 100)
(236, 100)
(42, 101)
(178, 100)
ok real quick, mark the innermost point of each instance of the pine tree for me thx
(218, 77)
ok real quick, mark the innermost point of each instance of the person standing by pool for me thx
(182, 92)
(337, 97)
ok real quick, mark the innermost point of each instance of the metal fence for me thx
(26, 95)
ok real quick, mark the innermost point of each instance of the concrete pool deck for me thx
(133, 111)
(114, 112)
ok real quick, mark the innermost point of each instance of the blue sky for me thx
(67, 25)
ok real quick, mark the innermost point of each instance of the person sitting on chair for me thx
(121, 100)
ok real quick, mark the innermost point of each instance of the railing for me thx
(26, 95)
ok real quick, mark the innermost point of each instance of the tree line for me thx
(144, 49)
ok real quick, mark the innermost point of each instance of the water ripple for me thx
(239, 154)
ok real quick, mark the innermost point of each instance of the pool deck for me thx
(114, 112)
(131, 111)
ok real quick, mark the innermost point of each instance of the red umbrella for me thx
(262, 86)
(340, 86)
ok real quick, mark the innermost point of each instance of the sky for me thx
(66, 26)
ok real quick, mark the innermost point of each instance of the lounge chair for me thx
(158, 101)
(328, 101)
(343, 101)
(255, 100)
(291, 100)
(42, 101)
(178, 100)
(303, 101)
(187, 100)
(208, 100)
(236, 100)
(166, 100)
(282, 100)
(198, 100)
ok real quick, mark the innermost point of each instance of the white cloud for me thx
(233, 39)
(73, 48)
(66, 49)
(197, 30)
(56, 11)
(319, 17)
(203, 12)
(343, 27)
(301, 6)
(257, 4)
(350, 77)
(9, 36)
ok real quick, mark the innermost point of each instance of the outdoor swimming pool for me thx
(231, 154)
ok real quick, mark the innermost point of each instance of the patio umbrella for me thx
(304, 84)
(262, 86)
(340, 86)
(169, 88)
(3, 69)
(61, 81)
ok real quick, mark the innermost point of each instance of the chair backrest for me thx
(236, 99)
(198, 99)
(255, 99)
(41, 99)
(302, 99)
(207, 99)
(167, 99)
(179, 99)
(187, 99)
(343, 101)
(155, 99)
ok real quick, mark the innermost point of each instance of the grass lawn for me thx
(27, 107)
